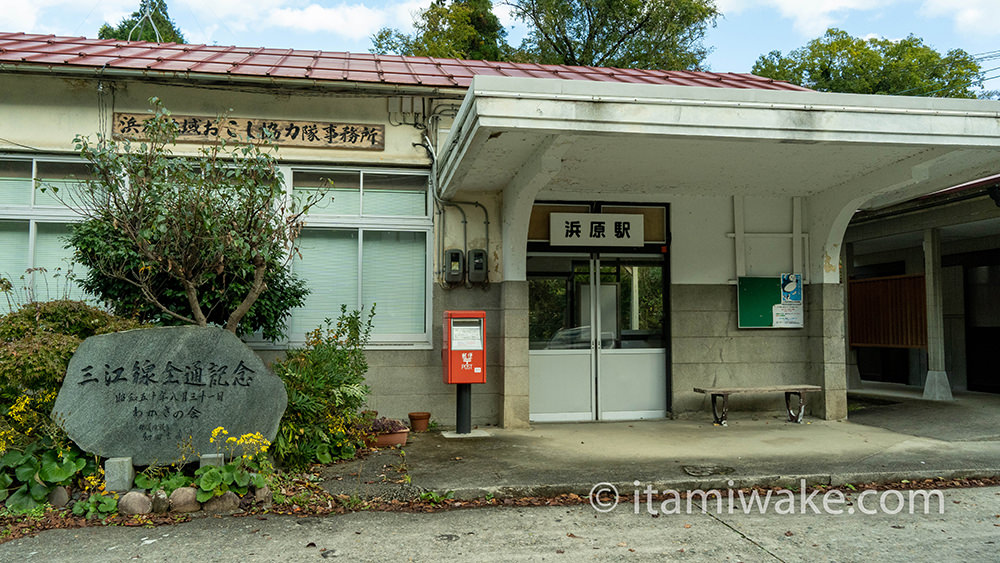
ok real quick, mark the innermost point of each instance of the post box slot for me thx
(466, 334)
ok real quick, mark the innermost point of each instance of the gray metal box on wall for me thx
(477, 266)
(454, 266)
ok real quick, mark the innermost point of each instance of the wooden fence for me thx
(889, 312)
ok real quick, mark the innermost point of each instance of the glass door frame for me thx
(593, 260)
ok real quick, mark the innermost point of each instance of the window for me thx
(366, 243)
(32, 227)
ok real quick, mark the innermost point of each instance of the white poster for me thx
(787, 315)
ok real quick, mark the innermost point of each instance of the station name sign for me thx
(596, 229)
(310, 134)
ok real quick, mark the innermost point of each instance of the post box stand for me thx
(463, 355)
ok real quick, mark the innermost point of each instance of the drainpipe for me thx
(441, 203)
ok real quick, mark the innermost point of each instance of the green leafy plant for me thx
(435, 497)
(213, 481)
(325, 385)
(159, 480)
(27, 477)
(249, 465)
(97, 505)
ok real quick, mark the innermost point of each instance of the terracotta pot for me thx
(419, 421)
(392, 439)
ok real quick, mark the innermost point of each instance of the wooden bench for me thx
(788, 390)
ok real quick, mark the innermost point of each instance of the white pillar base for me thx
(937, 387)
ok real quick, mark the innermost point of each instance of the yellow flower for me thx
(216, 432)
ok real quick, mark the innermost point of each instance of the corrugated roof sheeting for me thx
(76, 52)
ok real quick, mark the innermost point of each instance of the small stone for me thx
(264, 495)
(59, 497)
(161, 504)
(218, 460)
(119, 473)
(228, 502)
(134, 502)
(185, 499)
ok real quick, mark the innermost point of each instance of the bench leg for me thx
(794, 416)
(720, 420)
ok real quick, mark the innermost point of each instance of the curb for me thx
(725, 482)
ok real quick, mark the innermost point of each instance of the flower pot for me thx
(392, 439)
(419, 421)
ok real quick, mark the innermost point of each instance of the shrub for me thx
(38, 340)
(36, 344)
(95, 242)
(325, 384)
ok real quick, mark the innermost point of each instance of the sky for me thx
(748, 28)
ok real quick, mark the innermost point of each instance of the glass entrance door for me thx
(596, 338)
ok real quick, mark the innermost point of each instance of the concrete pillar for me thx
(853, 373)
(936, 385)
(514, 354)
(829, 346)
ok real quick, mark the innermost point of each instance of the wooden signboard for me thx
(311, 134)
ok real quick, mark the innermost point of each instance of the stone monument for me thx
(143, 394)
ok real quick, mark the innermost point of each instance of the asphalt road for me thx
(968, 530)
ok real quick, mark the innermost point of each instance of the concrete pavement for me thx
(887, 438)
(966, 531)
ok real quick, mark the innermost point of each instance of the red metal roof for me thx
(31, 51)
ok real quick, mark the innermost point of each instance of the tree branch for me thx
(260, 268)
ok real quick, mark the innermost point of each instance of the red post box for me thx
(464, 347)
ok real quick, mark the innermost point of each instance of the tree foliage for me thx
(660, 34)
(463, 29)
(157, 10)
(96, 243)
(664, 34)
(838, 62)
(198, 238)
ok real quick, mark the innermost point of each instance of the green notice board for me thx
(763, 304)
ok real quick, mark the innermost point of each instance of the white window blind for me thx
(51, 254)
(13, 259)
(15, 182)
(394, 278)
(329, 265)
(395, 194)
(342, 191)
(63, 176)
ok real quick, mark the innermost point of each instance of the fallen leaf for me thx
(789, 534)
(687, 525)
(560, 551)
(572, 535)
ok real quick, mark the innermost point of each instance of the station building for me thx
(630, 234)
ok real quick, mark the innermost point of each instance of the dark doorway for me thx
(982, 327)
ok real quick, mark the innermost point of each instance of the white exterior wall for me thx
(39, 116)
(47, 112)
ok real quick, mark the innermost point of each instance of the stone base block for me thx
(119, 473)
(217, 460)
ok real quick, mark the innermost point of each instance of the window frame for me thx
(35, 214)
(362, 223)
